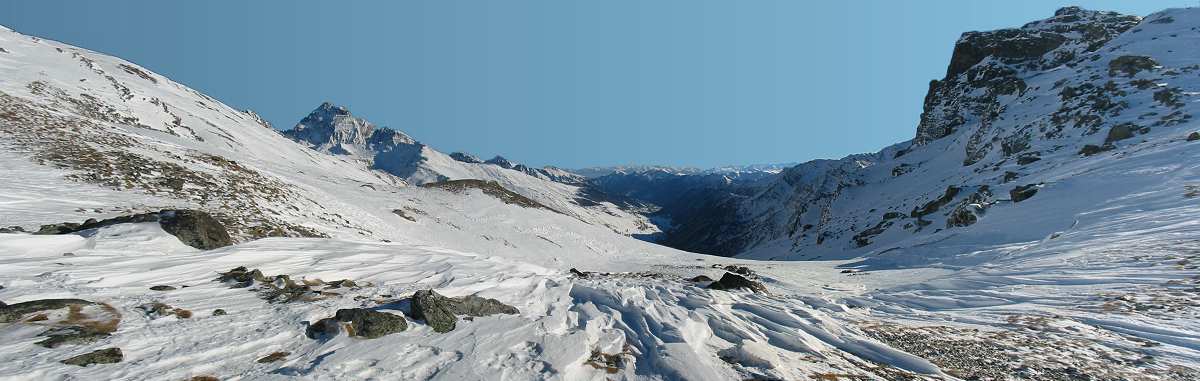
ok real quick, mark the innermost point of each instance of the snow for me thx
(1096, 273)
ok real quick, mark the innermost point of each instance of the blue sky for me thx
(567, 83)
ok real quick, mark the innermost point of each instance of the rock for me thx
(578, 273)
(1027, 159)
(465, 157)
(70, 335)
(195, 228)
(1194, 136)
(156, 310)
(1092, 149)
(1130, 65)
(162, 288)
(103, 356)
(439, 312)
(219, 312)
(1023, 192)
(700, 278)
(14, 312)
(1120, 132)
(743, 270)
(274, 357)
(434, 309)
(322, 329)
(12, 229)
(472, 305)
(371, 324)
(731, 281)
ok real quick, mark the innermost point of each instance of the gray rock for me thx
(1120, 132)
(440, 312)
(434, 309)
(731, 281)
(162, 288)
(103, 356)
(1194, 136)
(70, 335)
(371, 324)
(700, 278)
(219, 312)
(193, 227)
(12, 313)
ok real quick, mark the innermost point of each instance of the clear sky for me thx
(558, 82)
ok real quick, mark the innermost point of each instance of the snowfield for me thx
(1092, 277)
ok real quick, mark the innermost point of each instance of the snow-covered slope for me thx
(1092, 277)
(1079, 111)
(334, 130)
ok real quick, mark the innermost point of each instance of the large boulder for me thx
(434, 309)
(193, 227)
(731, 281)
(1023, 192)
(440, 312)
(371, 324)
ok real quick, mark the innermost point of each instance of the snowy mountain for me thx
(1035, 111)
(1040, 226)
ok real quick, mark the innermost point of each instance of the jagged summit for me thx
(334, 129)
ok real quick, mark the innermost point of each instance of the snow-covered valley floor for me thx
(1105, 302)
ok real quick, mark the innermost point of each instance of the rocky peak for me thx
(465, 157)
(501, 161)
(988, 65)
(333, 128)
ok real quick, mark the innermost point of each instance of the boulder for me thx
(1120, 132)
(219, 312)
(434, 309)
(700, 278)
(1194, 136)
(193, 227)
(1023, 192)
(440, 312)
(103, 356)
(731, 281)
(14, 312)
(71, 335)
(371, 324)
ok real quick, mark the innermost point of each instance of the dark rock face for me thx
(103, 356)
(1023, 192)
(501, 162)
(950, 104)
(1092, 149)
(274, 357)
(193, 227)
(465, 157)
(490, 188)
(162, 288)
(731, 281)
(14, 312)
(439, 312)
(1194, 136)
(219, 312)
(700, 278)
(371, 324)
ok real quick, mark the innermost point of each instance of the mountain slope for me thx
(1031, 111)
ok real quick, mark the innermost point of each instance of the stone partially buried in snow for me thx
(103, 356)
(439, 312)
(371, 324)
(731, 281)
(192, 227)
(14, 312)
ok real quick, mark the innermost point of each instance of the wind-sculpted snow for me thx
(974, 255)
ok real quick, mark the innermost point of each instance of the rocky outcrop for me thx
(13, 312)
(193, 227)
(441, 313)
(465, 157)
